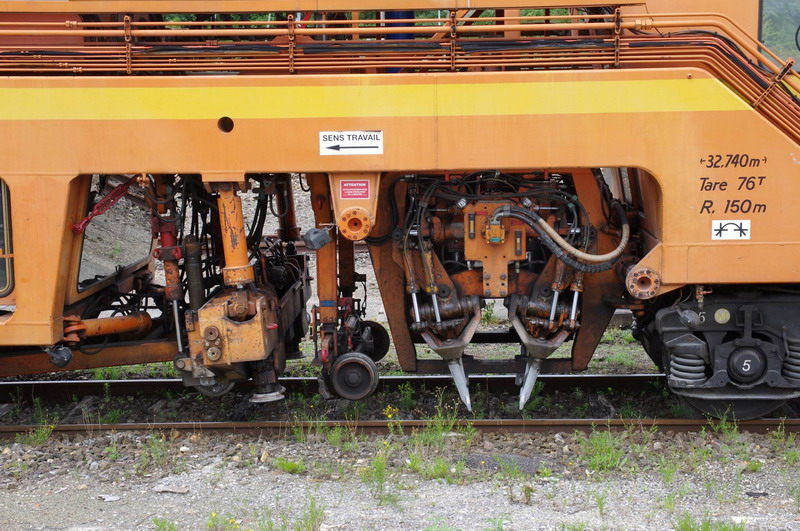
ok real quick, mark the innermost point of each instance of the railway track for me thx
(54, 391)
(68, 389)
(382, 427)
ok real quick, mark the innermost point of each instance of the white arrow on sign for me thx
(351, 142)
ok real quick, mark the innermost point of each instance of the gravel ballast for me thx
(626, 480)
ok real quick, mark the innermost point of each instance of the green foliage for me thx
(667, 468)
(45, 425)
(687, 523)
(509, 470)
(574, 526)
(289, 466)
(753, 466)
(487, 314)
(309, 518)
(784, 443)
(536, 400)
(155, 454)
(728, 430)
(407, 392)
(35, 437)
(115, 251)
(780, 20)
(112, 450)
(222, 522)
(600, 498)
(432, 436)
(163, 524)
(112, 416)
(436, 468)
(602, 451)
(336, 436)
(622, 358)
(497, 524)
(375, 476)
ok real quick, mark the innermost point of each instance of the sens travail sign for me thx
(351, 142)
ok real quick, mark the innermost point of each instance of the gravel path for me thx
(332, 480)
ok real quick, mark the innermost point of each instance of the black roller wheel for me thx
(735, 409)
(354, 376)
(222, 387)
(380, 340)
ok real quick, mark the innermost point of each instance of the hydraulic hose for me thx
(561, 248)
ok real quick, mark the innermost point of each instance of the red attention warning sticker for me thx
(354, 189)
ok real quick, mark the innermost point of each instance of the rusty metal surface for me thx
(36, 362)
(595, 314)
(65, 390)
(237, 270)
(379, 427)
(391, 279)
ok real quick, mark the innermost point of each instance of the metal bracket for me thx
(453, 36)
(534, 347)
(451, 349)
(617, 33)
(292, 40)
(776, 79)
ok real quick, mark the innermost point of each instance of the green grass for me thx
(753, 466)
(45, 425)
(375, 477)
(667, 468)
(36, 437)
(436, 468)
(509, 470)
(625, 359)
(112, 450)
(686, 522)
(600, 499)
(155, 454)
(487, 314)
(433, 435)
(336, 436)
(407, 392)
(603, 451)
(162, 524)
(112, 416)
(289, 466)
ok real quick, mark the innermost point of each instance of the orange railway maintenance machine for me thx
(563, 158)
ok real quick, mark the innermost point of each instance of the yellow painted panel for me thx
(365, 101)
(604, 97)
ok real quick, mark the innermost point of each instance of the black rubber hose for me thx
(557, 250)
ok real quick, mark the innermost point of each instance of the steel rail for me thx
(389, 426)
(65, 390)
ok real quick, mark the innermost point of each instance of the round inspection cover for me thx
(746, 364)
(354, 376)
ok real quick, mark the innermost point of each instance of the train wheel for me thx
(354, 376)
(734, 409)
(220, 388)
(380, 340)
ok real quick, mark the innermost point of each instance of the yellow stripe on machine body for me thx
(367, 100)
